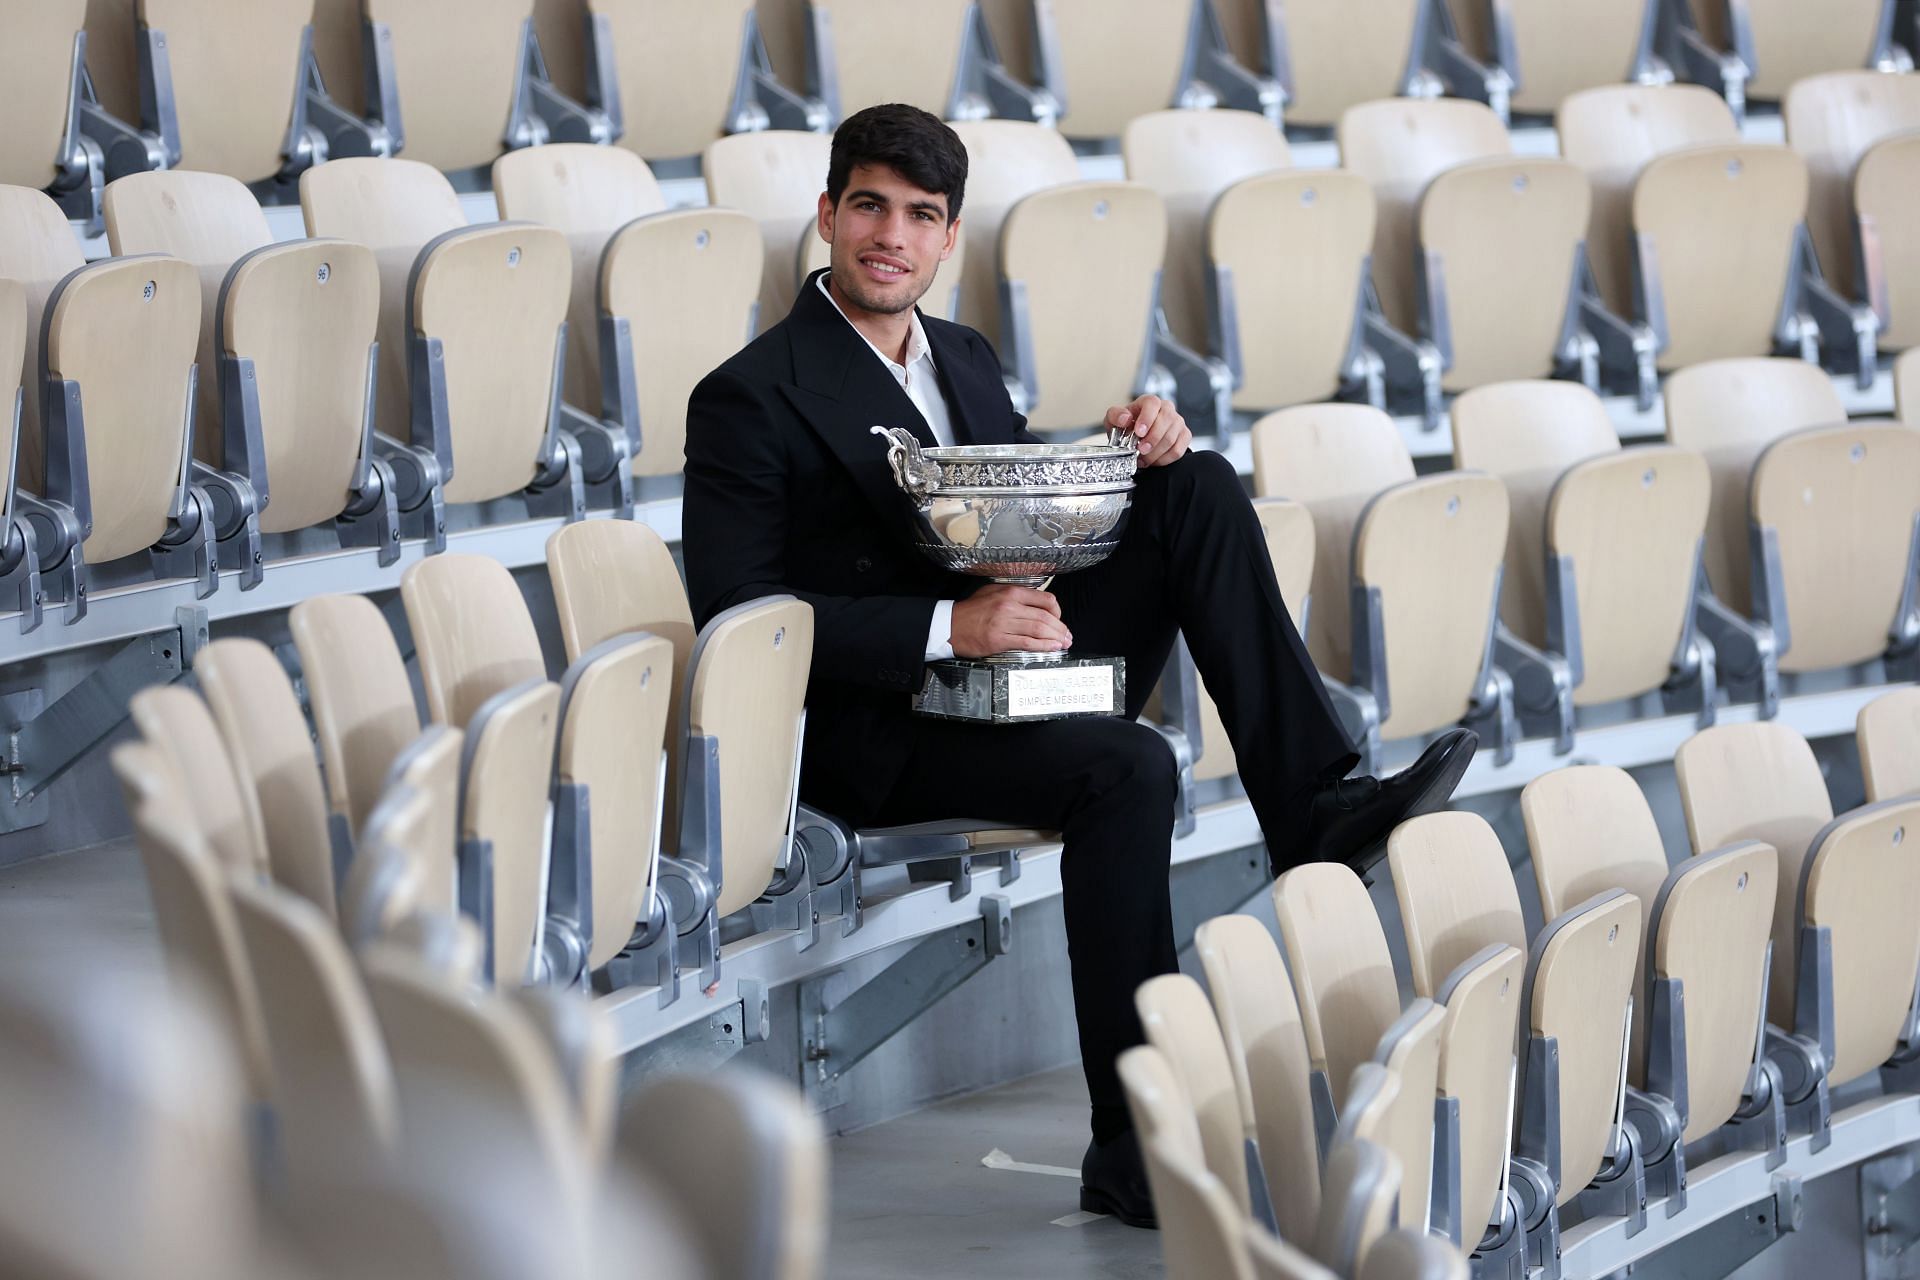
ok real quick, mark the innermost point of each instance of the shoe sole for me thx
(1100, 1202)
(1435, 797)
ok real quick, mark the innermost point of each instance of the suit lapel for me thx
(979, 411)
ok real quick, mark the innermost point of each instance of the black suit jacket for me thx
(789, 492)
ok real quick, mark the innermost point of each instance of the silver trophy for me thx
(1022, 514)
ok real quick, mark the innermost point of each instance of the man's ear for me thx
(823, 218)
(953, 239)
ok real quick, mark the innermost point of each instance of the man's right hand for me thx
(999, 617)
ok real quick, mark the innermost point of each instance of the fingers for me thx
(1171, 447)
(1028, 597)
(1119, 418)
(1023, 627)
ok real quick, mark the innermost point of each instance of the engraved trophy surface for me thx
(1021, 514)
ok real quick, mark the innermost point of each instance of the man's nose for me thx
(893, 231)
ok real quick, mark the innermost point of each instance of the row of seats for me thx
(1635, 1010)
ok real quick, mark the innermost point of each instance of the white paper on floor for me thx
(998, 1159)
(1080, 1219)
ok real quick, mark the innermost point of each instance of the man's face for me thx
(889, 238)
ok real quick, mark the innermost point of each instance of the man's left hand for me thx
(1157, 427)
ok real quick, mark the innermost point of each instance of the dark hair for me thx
(913, 143)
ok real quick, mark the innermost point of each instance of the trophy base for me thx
(996, 691)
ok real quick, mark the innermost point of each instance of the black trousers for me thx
(1193, 560)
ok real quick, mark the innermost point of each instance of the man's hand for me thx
(1158, 428)
(999, 617)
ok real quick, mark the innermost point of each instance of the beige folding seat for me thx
(1179, 1023)
(1340, 55)
(176, 722)
(41, 69)
(1007, 160)
(286, 340)
(1784, 42)
(635, 362)
(272, 755)
(855, 60)
(1887, 732)
(1603, 548)
(1706, 922)
(1266, 1051)
(333, 1083)
(754, 1197)
(405, 860)
(1363, 1181)
(1716, 230)
(1199, 1218)
(472, 331)
(1552, 50)
(1884, 188)
(1080, 267)
(199, 936)
(1844, 495)
(776, 177)
(362, 702)
(1612, 133)
(103, 461)
(1408, 1255)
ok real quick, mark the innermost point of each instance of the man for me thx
(788, 492)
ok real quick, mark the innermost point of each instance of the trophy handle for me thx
(1121, 438)
(916, 476)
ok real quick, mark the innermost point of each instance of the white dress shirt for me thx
(922, 385)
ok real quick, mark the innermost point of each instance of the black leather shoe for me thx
(1349, 820)
(1113, 1181)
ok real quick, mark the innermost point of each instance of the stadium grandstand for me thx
(419, 858)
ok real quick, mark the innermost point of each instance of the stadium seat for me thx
(404, 861)
(1363, 1178)
(1348, 465)
(471, 332)
(199, 936)
(1883, 190)
(1266, 1051)
(1333, 56)
(272, 752)
(43, 145)
(1887, 733)
(854, 60)
(1179, 1023)
(1612, 133)
(1550, 50)
(362, 703)
(1475, 249)
(1701, 988)
(175, 722)
(1406, 1255)
(111, 479)
(776, 177)
(286, 343)
(1783, 42)
(334, 1097)
(1382, 1107)
(1603, 552)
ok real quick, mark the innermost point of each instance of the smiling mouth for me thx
(886, 270)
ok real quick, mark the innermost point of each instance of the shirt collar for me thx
(918, 348)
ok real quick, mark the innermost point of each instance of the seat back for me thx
(1273, 1258)
(1410, 1049)
(1081, 41)
(1007, 160)
(457, 68)
(235, 82)
(1499, 241)
(1400, 146)
(1365, 1192)
(1342, 971)
(1792, 42)
(1190, 158)
(1086, 258)
(1266, 1050)
(1845, 495)
(1728, 411)
(1759, 782)
(1859, 884)
(1158, 1103)
(471, 632)
(506, 769)
(266, 737)
(199, 937)
(1612, 133)
(362, 702)
(1332, 459)
(1529, 434)
(775, 177)
(614, 705)
(1456, 894)
(677, 66)
(1482, 999)
(429, 768)
(870, 65)
(1344, 55)
(1202, 1232)
(1833, 120)
(176, 723)
(746, 686)
(37, 74)
(1409, 1255)
(1887, 731)
(713, 255)
(334, 1093)
(1709, 931)
(1580, 991)
(1295, 246)
(1179, 1022)
(1563, 48)
(588, 193)
(1714, 230)
(1884, 185)
(1432, 548)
